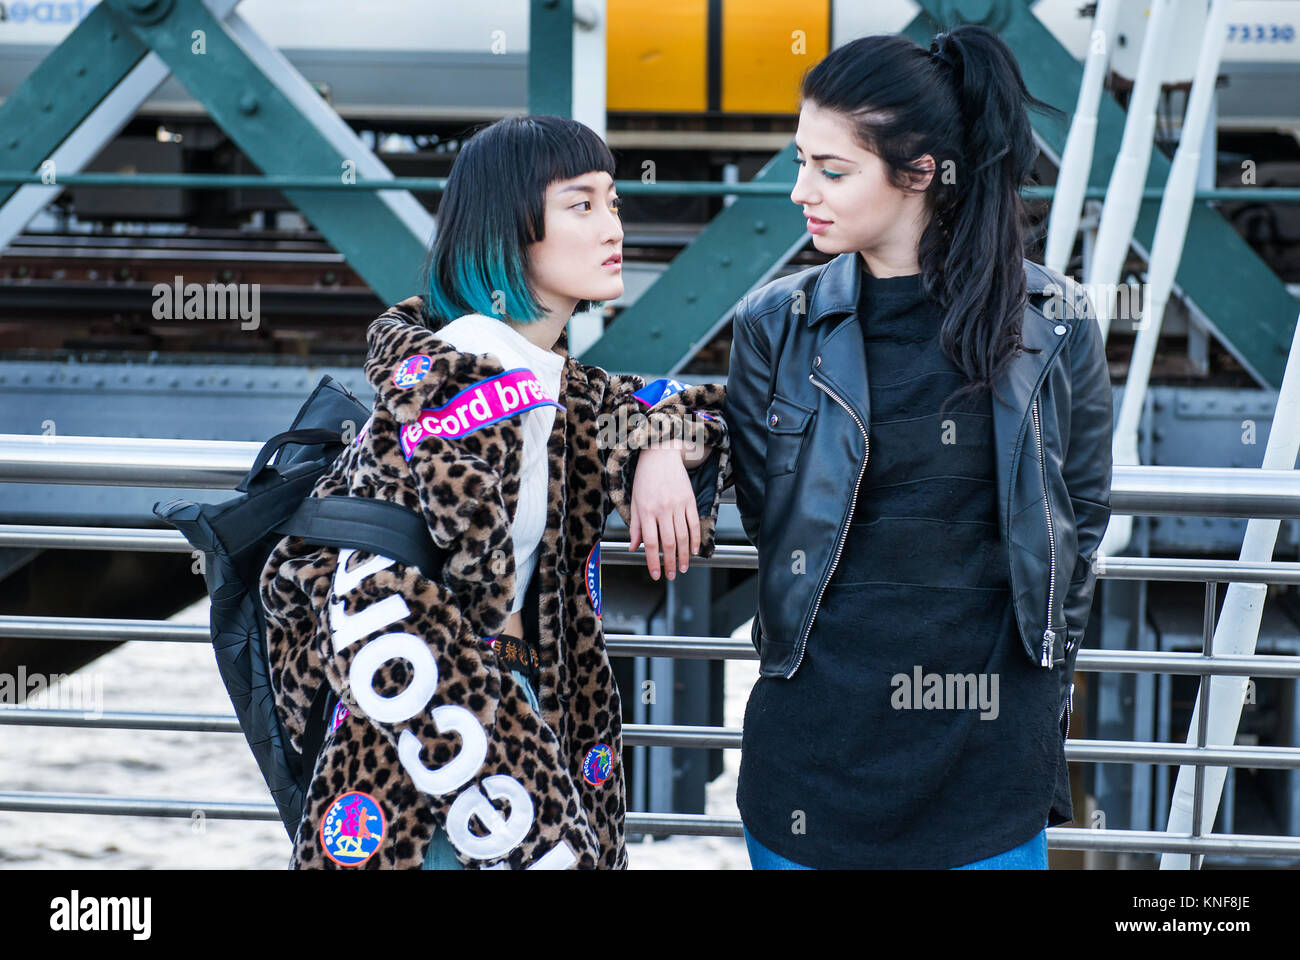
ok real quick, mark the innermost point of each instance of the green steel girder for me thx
(240, 98)
(1245, 302)
(550, 57)
(272, 133)
(63, 90)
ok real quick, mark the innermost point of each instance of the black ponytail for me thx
(965, 104)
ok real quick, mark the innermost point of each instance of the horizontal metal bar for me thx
(1196, 570)
(21, 716)
(1192, 664)
(125, 462)
(1174, 754)
(733, 556)
(109, 631)
(616, 552)
(1153, 841)
(1076, 751)
(136, 806)
(215, 181)
(676, 648)
(657, 824)
(675, 735)
(682, 825)
(1167, 491)
(218, 464)
(668, 735)
(139, 539)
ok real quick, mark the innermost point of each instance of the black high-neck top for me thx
(868, 756)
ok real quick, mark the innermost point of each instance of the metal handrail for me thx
(220, 464)
(670, 647)
(684, 737)
(655, 824)
(1172, 491)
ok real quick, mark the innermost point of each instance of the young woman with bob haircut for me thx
(480, 723)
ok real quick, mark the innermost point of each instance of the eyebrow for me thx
(583, 188)
(823, 156)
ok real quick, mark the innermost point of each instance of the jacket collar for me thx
(405, 330)
(842, 365)
(837, 288)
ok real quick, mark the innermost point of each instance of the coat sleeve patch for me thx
(412, 370)
(593, 577)
(483, 404)
(657, 390)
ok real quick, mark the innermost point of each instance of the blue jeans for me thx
(1030, 855)
(441, 855)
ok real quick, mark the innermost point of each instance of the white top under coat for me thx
(478, 333)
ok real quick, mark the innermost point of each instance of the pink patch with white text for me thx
(478, 406)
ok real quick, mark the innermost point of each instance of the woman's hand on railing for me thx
(664, 515)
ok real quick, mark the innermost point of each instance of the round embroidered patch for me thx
(411, 370)
(347, 831)
(593, 577)
(598, 764)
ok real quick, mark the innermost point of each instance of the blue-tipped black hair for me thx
(494, 206)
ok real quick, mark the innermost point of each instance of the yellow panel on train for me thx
(656, 61)
(767, 46)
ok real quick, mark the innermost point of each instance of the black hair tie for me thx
(937, 51)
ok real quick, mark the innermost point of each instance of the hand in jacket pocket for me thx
(664, 515)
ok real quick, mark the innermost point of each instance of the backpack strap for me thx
(375, 526)
(318, 719)
(304, 436)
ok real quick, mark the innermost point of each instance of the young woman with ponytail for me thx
(898, 720)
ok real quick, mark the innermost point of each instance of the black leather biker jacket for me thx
(798, 413)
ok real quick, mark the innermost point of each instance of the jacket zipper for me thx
(803, 642)
(1049, 635)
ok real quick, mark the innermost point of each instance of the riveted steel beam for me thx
(261, 102)
(65, 88)
(550, 57)
(275, 135)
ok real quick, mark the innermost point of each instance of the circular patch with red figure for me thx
(598, 765)
(352, 829)
(411, 370)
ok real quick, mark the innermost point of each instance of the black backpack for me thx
(237, 536)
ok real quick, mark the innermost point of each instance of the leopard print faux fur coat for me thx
(443, 735)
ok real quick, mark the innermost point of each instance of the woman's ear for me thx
(921, 182)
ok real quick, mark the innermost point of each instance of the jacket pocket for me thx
(787, 425)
